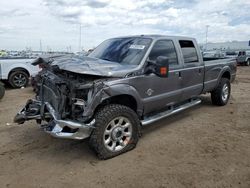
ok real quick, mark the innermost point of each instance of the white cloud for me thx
(56, 22)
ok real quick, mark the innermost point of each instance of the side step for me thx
(170, 112)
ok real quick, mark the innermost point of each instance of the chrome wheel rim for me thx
(225, 92)
(19, 80)
(117, 134)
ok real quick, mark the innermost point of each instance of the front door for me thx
(157, 92)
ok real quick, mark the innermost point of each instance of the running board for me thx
(170, 112)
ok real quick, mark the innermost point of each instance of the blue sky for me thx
(56, 22)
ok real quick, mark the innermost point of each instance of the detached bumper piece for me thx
(34, 110)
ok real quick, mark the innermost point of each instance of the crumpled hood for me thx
(92, 66)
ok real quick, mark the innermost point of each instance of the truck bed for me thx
(213, 68)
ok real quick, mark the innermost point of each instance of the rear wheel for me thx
(248, 62)
(116, 131)
(18, 79)
(221, 94)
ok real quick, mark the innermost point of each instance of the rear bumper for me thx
(56, 127)
(241, 61)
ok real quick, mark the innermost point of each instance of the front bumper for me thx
(34, 109)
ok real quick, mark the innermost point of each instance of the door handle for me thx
(178, 73)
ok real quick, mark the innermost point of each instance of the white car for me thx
(17, 71)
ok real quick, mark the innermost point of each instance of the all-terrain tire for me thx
(218, 96)
(22, 76)
(103, 117)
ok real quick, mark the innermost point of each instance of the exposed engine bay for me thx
(69, 93)
(62, 101)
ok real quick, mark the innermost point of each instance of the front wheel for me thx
(116, 131)
(221, 94)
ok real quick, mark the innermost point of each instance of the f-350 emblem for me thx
(149, 92)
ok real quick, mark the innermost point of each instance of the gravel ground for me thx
(206, 146)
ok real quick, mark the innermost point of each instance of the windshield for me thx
(122, 50)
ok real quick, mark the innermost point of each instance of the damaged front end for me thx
(55, 126)
(64, 102)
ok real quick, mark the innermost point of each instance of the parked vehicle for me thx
(125, 83)
(2, 90)
(213, 55)
(231, 54)
(243, 58)
(17, 71)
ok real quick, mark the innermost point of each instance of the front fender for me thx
(112, 91)
(124, 89)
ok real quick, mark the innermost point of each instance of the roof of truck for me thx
(155, 36)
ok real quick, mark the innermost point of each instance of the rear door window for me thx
(189, 51)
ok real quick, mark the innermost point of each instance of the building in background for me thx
(226, 46)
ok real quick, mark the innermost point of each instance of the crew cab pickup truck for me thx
(124, 84)
(17, 71)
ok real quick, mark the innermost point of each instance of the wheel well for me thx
(19, 69)
(226, 75)
(126, 100)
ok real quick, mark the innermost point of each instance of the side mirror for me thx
(160, 67)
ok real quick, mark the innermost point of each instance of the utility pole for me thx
(80, 38)
(41, 47)
(206, 35)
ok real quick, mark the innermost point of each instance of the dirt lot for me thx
(205, 146)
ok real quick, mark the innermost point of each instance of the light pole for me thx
(206, 35)
(41, 47)
(80, 38)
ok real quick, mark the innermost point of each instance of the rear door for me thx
(193, 69)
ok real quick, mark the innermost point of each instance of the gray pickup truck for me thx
(124, 84)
